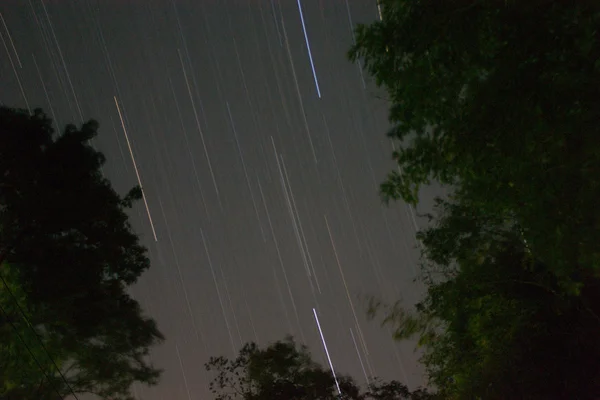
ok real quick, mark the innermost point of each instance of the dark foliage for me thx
(285, 371)
(69, 253)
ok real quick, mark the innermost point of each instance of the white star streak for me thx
(189, 149)
(63, 62)
(359, 357)
(347, 290)
(287, 46)
(212, 174)
(45, 91)
(183, 373)
(280, 262)
(250, 315)
(197, 329)
(137, 173)
(379, 10)
(362, 78)
(11, 41)
(15, 71)
(276, 24)
(303, 244)
(214, 276)
(237, 143)
(327, 351)
(312, 65)
(235, 321)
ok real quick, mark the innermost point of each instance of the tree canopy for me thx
(494, 322)
(67, 256)
(499, 100)
(285, 370)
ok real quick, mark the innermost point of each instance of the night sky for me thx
(260, 149)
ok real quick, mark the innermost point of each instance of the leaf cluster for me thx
(495, 320)
(499, 99)
(67, 248)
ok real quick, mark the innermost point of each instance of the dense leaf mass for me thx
(499, 100)
(502, 100)
(69, 253)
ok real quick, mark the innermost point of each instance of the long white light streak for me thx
(261, 65)
(273, 64)
(187, 56)
(11, 41)
(293, 214)
(212, 174)
(276, 23)
(212, 270)
(342, 187)
(239, 62)
(235, 321)
(137, 173)
(312, 65)
(197, 330)
(183, 373)
(273, 105)
(112, 123)
(239, 148)
(362, 78)
(107, 57)
(63, 62)
(291, 210)
(313, 232)
(296, 231)
(281, 259)
(47, 46)
(287, 46)
(360, 358)
(214, 60)
(280, 262)
(16, 74)
(45, 91)
(194, 83)
(379, 11)
(189, 148)
(250, 316)
(327, 352)
(307, 257)
(360, 334)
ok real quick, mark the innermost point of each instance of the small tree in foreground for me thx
(285, 371)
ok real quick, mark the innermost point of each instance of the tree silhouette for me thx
(285, 371)
(495, 323)
(499, 99)
(68, 253)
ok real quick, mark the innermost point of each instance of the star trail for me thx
(259, 149)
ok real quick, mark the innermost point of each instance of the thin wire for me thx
(37, 336)
(29, 351)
